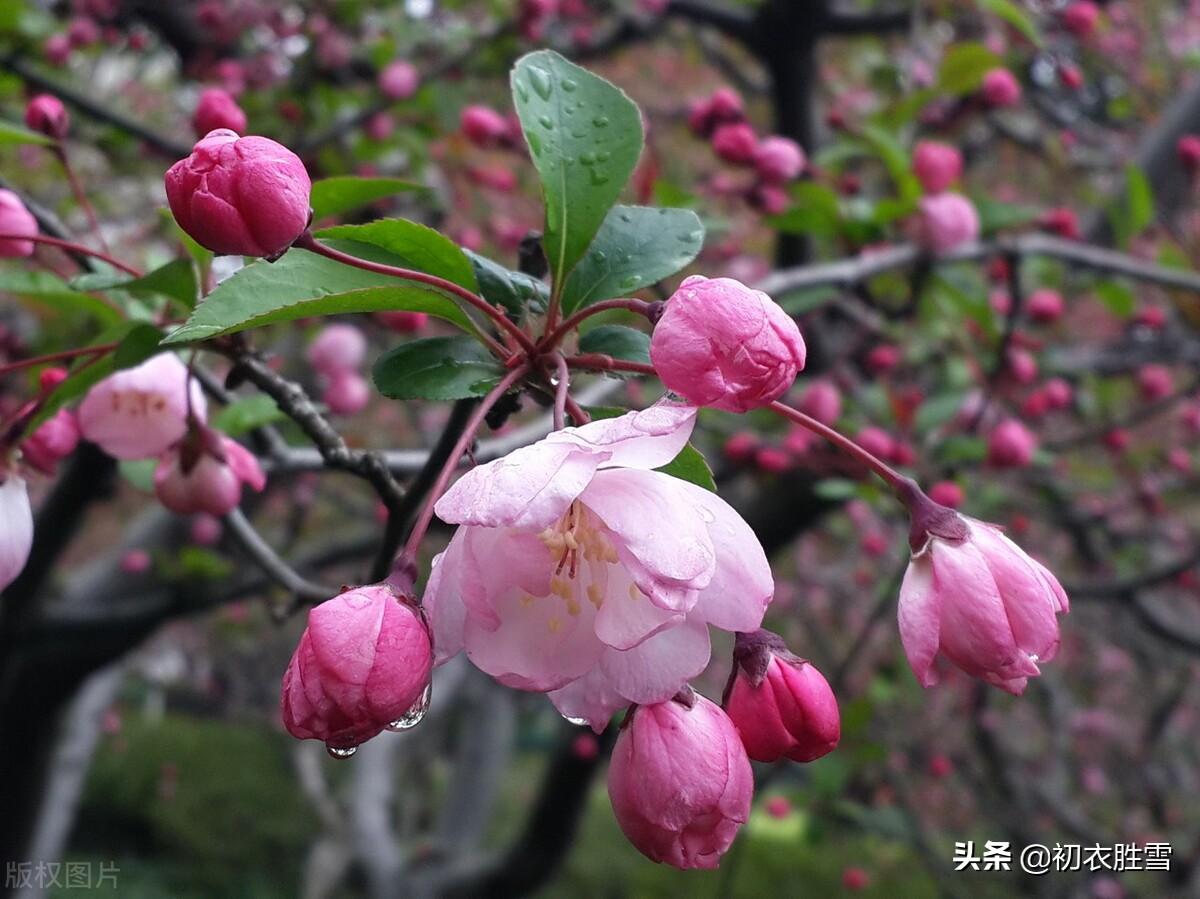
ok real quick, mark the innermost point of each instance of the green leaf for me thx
(414, 246)
(137, 346)
(176, 279)
(617, 341)
(1011, 13)
(437, 368)
(12, 133)
(585, 136)
(345, 193)
(512, 290)
(995, 215)
(1118, 297)
(635, 247)
(247, 413)
(964, 66)
(139, 473)
(1139, 200)
(690, 465)
(937, 410)
(815, 211)
(53, 292)
(301, 285)
(835, 489)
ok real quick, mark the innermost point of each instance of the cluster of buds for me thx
(337, 355)
(945, 219)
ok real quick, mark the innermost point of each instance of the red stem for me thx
(75, 248)
(641, 307)
(80, 197)
(56, 357)
(560, 392)
(890, 476)
(307, 242)
(600, 362)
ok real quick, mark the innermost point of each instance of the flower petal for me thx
(655, 670)
(1030, 604)
(627, 616)
(646, 439)
(443, 601)
(16, 528)
(591, 698)
(918, 620)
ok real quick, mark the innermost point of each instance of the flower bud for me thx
(399, 80)
(778, 159)
(54, 439)
(936, 165)
(403, 322)
(483, 126)
(339, 347)
(823, 401)
(362, 666)
(1011, 445)
(347, 393)
(1154, 382)
(680, 782)
(736, 143)
(1080, 18)
(1058, 393)
(946, 221)
(246, 196)
(15, 219)
(46, 114)
(139, 412)
(1061, 221)
(779, 703)
(947, 493)
(16, 516)
(205, 473)
(1000, 88)
(876, 441)
(1188, 150)
(216, 110)
(721, 344)
(1046, 306)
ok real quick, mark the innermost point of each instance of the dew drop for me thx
(626, 217)
(416, 712)
(600, 256)
(546, 122)
(631, 282)
(708, 516)
(539, 80)
(588, 158)
(578, 722)
(569, 85)
(603, 156)
(600, 121)
(522, 91)
(340, 752)
(598, 177)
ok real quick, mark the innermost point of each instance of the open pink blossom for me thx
(16, 523)
(17, 221)
(204, 472)
(579, 569)
(680, 782)
(973, 595)
(139, 412)
(362, 665)
(721, 344)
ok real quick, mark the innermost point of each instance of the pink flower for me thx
(54, 439)
(205, 529)
(736, 143)
(823, 401)
(946, 221)
(347, 393)
(339, 347)
(218, 110)
(1188, 151)
(380, 126)
(724, 106)
(1058, 393)
(136, 561)
(403, 322)
(1011, 445)
(16, 524)
(483, 126)
(46, 114)
(579, 569)
(883, 358)
(1154, 382)
(680, 782)
(362, 666)
(240, 196)
(1022, 366)
(780, 704)
(1046, 306)
(778, 159)
(399, 80)
(1080, 18)
(205, 473)
(936, 165)
(721, 344)
(947, 493)
(1000, 88)
(139, 412)
(17, 220)
(1061, 221)
(57, 49)
(973, 595)
(876, 441)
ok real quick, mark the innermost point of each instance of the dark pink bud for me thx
(680, 782)
(51, 377)
(769, 199)
(1117, 440)
(1046, 306)
(936, 165)
(1061, 221)
(1188, 151)
(725, 105)
(136, 561)
(217, 109)
(947, 493)
(82, 32)
(1070, 76)
(362, 666)
(1058, 393)
(735, 143)
(1000, 88)
(1080, 18)
(403, 322)
(883, 358)
(347, 393)
(778, 807)
(399, 80)
(740, 447)
(823, 401)
(940, 766)
(46, 114)
(1151, 317)
(1011, 445)
(946, 221)
(15, 219)
(54, 439)
(1154, 382)
(876, 441)
(778, 159)
(772, 460)
(205, 529)
(483, 126)
(585, 747)
(204, 472)
(380, 126)
(1022, 366)
(245, 196)
(57, 49)
(855, 879)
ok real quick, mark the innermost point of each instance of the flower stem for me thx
(80, 196)
(56, 357)
(889, 475)
(552, 338)
(560, 392)
(307, 242)
(75, 248)
(601, 362)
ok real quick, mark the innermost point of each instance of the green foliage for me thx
(1011, 13)
(247, 413)
(516, 292)
(1118, 297)
(964, 66)
(635, 247)
(995, 215)
(52, 292)
(12, 133)
(617, 341)
(1133, 212)
(409, 245)
(585, 136)
(437, 368)
(176, 280)
(345, 193)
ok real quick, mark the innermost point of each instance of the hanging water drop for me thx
(415, 713)
(340, 752)
(578, 722)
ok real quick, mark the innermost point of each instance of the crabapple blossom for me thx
(16, 522)
(240, 196)
(1058, 393)
(15, 219)
(139, 412)
(947, 493)
(1021, 366)
(362, 666)
(883, 358)
(936, 165)
(46, 114)
(136, 561)
(1046, 306)
(722, 344)
(1000, 88)
(399, 80)
(217, 110)
(680, 782)
(339, 347)
(974, 596)
(580, 571)
(57, 49)
(204, 472)
(1061, 221)
(735, 143)
(946, 220)
(778, 159)
(483, 126)
(722, 107)
(780, 704)
(740, 447)
(876, 441)
(772, 460)
(347, 393)
(1011, 445)
(1080, 18)
(1154, 382)
(822, 401)
(205, 529)
(54, 439)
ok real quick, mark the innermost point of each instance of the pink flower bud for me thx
(974, 596)
(1080, 18)
(1154, 382)
(769, 199)
(217, 109)
(362, 666)
(1117, 440)
(16, 523)
(245, 196)
(778, 807)
(339, 347)
(876, 441)
(399, 80)
(1011, 445)
(1058, 393)
(823, 401)
(778, 159)
(721, 344)
(946, 221)
(735, 143)
(1061, 221)
(136, 561)
(205, 473)
(54, 439)
(680, 782)
(380, 126)
(1070, 76)
(403, 322)
(483, 126)
(740, 447)
(882, 358)
(936, 165)
(772, 460)
(46, 114)
(1046, 306)
(780, 704)
(82, 32)
(17, 220)
(1188, 151)
(57, 49)
(725, 105)
(347, 393)
(205, 529)
(1022, 367)
(1000, 88)
(1179, 459)
(1151, 317)
(139, 412)
(947, 493)
(855, 879)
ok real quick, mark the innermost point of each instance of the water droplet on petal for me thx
(708, 516)
(578, 722)
(340, 752)
(415, 713)
(522, 91)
